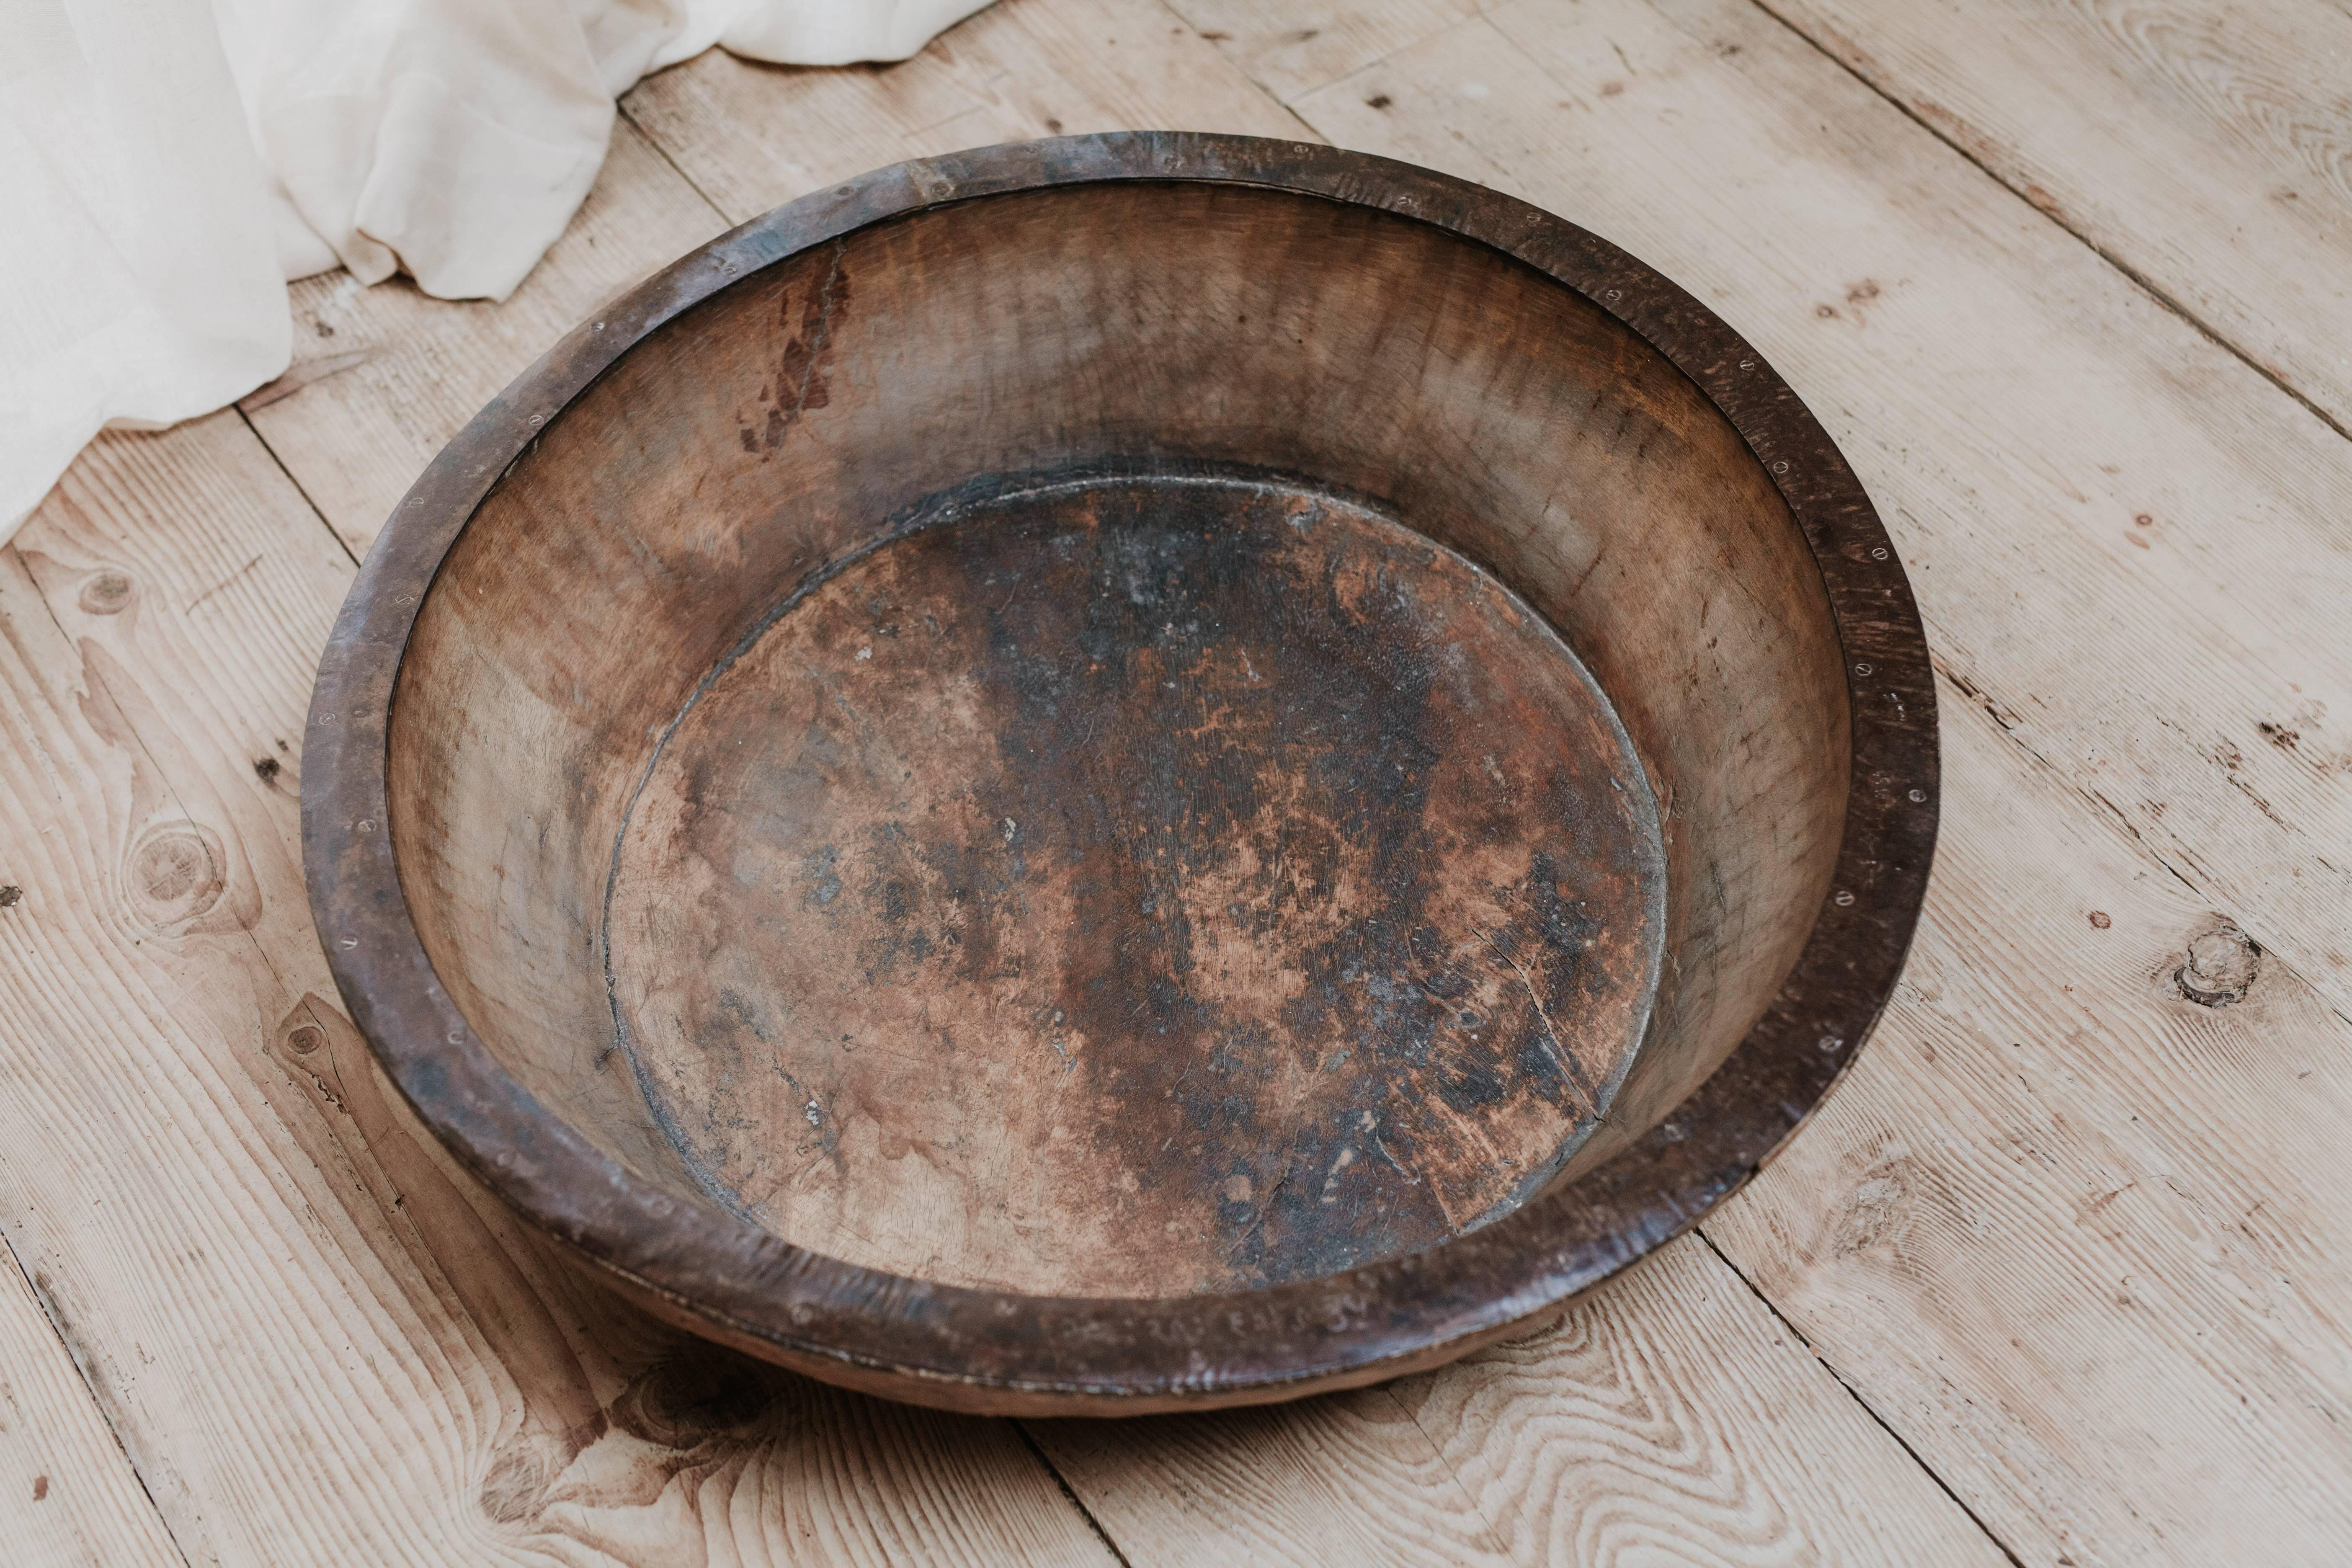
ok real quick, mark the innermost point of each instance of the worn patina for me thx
(1070, 400)
(1179, 857)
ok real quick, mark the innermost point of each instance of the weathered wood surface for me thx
(68, 1495)
(2082, 1241)
(2205, 145)
(2068, 1232)
(1070, 1022)
(1670, 1417)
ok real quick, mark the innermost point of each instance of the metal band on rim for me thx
(859, 1325)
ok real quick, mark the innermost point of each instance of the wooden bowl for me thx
(1129, 773)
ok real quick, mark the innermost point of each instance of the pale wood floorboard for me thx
(752, 137)
(2207, 145)
(2082, 1242)
(1670, 1418)
(2070, 1236)
(68, 1495)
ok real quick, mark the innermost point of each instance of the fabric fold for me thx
(139, 277)
(168, 165)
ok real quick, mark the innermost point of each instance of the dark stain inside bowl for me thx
(1131, 884)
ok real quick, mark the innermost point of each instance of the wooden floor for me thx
(2063, 1274)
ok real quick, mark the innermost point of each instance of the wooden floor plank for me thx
(317, 1343)
(752, 137)
(69, 1499)
(1292, 49)
(2206, 144)
(1670, 1417)
(2082, 1241)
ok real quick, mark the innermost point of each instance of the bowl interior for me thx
(1126, 739)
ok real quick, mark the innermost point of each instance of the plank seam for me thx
(1271, 96)
(1020, 1429)
(621, 106)
(1781, 1319)
(316, 509)
(49, 1315)
(2143, 283)
(1485, 1525)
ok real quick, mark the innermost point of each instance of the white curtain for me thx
(166, 165)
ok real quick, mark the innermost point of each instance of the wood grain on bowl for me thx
(662, 765)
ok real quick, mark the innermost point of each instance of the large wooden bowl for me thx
(1130, 772)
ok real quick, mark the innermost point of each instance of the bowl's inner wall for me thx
(784, 423)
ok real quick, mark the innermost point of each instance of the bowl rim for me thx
(977, 1348)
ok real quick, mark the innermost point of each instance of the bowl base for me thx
(1132, 884)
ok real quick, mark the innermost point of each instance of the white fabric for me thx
(166, 165)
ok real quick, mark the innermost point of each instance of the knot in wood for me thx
(2220, 967)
